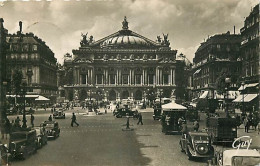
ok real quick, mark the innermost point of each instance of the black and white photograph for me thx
(129, 83)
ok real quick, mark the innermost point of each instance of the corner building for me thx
(120, 66)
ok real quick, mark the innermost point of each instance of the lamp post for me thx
(144, 105)
(227, 81)
(160, 93)
(243, 85)
(23, 91)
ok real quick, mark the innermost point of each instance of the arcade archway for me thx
(112, 95)
(138, 95)
(125, 94)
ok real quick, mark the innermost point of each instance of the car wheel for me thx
(24, 155)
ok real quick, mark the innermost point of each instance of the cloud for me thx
(60, 23)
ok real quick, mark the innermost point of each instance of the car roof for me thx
(50, 122)
(198, 133)
(228, 154)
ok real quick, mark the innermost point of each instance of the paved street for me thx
(99, 140)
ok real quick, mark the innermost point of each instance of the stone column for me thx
(143, 78)
(74, 76)
(88, 77)
(130, 76)
(116, 76)
(161, 77)
(173, 76)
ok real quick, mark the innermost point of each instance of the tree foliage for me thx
(17, 81)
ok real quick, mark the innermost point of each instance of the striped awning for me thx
(197, 71)
(204, 95)
(248, 86)
(245, 98)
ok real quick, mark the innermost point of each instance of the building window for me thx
(84, 79)
(99, 79)
(166, 79)
(138, 79)
(150, 78)
(218, 46)
(125, 78)
(34, 47)
(112, 78)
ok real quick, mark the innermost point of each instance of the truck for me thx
(222, 130)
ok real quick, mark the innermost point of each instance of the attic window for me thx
(34, 47)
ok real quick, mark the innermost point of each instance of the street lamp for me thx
(243, 85)
(160, 93)
(144, 105)
(23, 91)
(227, 81)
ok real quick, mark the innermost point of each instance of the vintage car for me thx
(5, 155)
(157, 112)
(238, 157)
(52, 129)
(196, 144)
(41, 135)
(22, 144)
(222, 130)
(121, 112)
(59, 114)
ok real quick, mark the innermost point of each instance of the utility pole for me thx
(3, 83)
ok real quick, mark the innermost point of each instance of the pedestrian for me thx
(140, 119)
(73, 120)
(32, 120)
(127, 121)
(246, 124)
(17, 122)
(50, 118)
(184, 128)
(196, 125)
(7, 127)
(258, 126)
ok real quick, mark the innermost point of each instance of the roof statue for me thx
(125, 24)
(84, 40)
(159, 39)
(165, 40)
(91, 39)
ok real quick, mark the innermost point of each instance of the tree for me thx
(17, 81)
(220, 81)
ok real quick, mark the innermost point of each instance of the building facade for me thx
(250, 47)
(35, 60)
(249, 79)
(120, 66)
(218, 56)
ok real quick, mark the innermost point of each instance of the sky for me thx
(188, 22)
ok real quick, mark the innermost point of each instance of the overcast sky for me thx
(188, 22)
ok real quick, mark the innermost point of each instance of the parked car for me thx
(196, 144)
(22, 144)
(222, 130)
(41, 135)
(59, 114)
(52, 129)
(121, 112)
(5, 155)
(237, 157)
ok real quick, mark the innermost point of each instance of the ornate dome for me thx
(124, 40)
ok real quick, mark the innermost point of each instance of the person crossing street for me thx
(32, 120)
(73, 120)
(140, 119)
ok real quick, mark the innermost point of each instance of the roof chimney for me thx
(21, 26)
(234, 29)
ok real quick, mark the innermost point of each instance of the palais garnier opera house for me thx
(123, 65)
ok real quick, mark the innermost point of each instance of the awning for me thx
(204, 95)
(197, 71)
(247, 98)
(173, 106)
(26, 96)
(42, 98)
(233, 94)
(250, 97)
(248, 86)
(239, 98)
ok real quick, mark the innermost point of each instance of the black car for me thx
(22, 144)
(42, 136)
(59, 114)
(121, 112)
(196, 144)
(52, 129)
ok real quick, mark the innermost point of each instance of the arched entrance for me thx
(112, 95)
(138, 95)
(125, 94)
(167, 93)
(82, 95)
